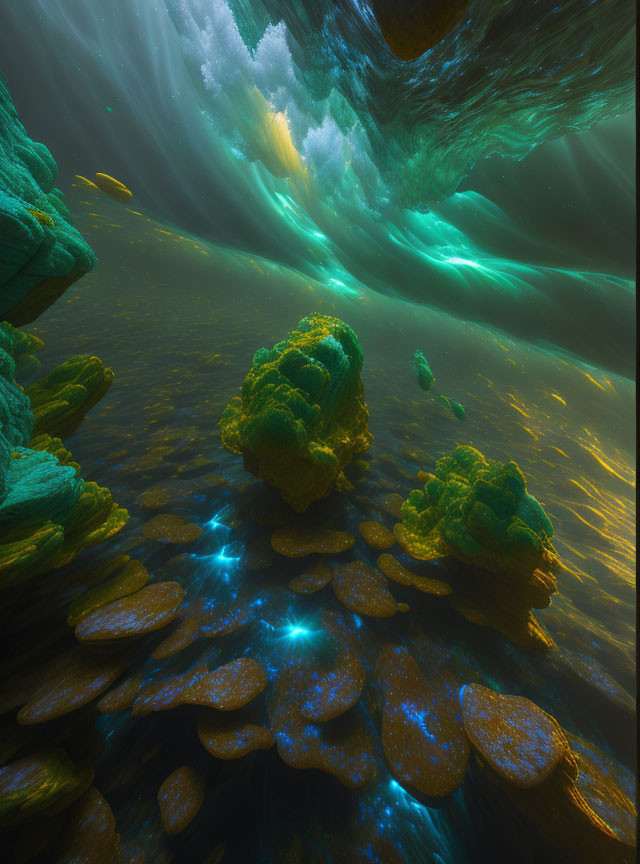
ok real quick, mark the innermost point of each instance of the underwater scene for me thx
(317, 431)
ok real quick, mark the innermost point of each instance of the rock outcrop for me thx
(302, 415)
(480, 513)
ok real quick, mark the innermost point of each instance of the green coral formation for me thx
(21, 346)
(47, 512)
(480, 512)
(41, 253)
(302, 415)
(425, 375)
(60, 401)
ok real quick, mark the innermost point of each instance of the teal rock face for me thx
(16, 419)
(33, 484)
(41, 253)
(37, 485)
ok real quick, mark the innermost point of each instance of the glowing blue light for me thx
(295, 631)
(225, 559)
(215, 522)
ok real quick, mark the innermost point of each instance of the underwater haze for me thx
(317, 431)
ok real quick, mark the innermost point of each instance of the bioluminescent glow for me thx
(298, 631)
(216, 520)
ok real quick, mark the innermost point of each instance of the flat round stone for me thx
(227, 688)
(147, 610)
(312, 579)
(70, 682)
(518, 740)
(227, 737)
(90, 836)
(169, 528)
(397, 572)
(363, 590)
(131, 578)
(296, 542)
(120, 697)
(376, 535)
(179, 799)
(423, 736)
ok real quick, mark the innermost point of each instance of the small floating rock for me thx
(131, 578)
(39, 785)
(397, 572)
(185, 634)
(392, 504)
(120, 697)
(376, 535)
(331, 692)
(341, 748)
(169, 528)
(179, 799)
(147, 610)
(315, 577)
(296, 542)
(154, 498)
(455, 407)
(114, 188)
(363, 590)
(227, 737)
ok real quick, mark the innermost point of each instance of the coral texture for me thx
(479, 512)
(41, 253)
(60, 401)
(302, 415)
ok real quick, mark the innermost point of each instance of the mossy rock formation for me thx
(60, 401)
(302, 415)
(479, 512)
(47, 512)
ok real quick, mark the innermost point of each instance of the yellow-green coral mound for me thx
(302, 415)
(480, 512)
(60, 401)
